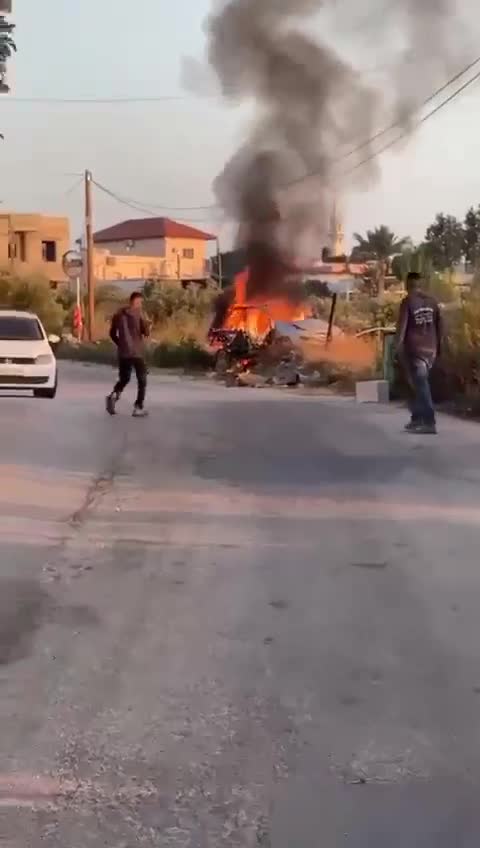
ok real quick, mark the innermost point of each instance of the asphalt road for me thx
(250, 620)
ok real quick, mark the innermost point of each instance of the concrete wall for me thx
(179, 256)
(23, 244)
(109, 268)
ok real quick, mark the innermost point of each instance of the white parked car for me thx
(27, 360)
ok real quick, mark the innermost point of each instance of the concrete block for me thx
(372, 391)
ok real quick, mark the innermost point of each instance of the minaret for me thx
(336, 235)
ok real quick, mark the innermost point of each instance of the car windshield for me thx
(19, 329)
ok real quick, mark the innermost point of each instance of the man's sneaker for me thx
(110, 403)
(139, 413)
(412, 426)
(426, 430)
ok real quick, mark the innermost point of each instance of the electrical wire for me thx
(73, 187)
(97, 100)
(137, 207)
(160, 207)
(397, 124)
(419, 123)
(425, 103)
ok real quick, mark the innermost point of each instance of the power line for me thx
(160, 207)
(74, 186)
(419, 123)
(98, 100)
(425, 103)
(138, 207)
(396, 124)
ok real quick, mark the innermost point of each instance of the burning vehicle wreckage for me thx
(261, 327)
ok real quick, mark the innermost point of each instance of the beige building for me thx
(34, 244)
(149, 247)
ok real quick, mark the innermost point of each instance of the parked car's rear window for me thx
(19, 329)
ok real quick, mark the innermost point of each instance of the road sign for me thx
(72, 264)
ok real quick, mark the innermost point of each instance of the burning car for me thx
(263, 326)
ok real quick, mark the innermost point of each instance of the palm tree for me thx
(379, 245)
(7, 48)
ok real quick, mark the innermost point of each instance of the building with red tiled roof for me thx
(149, 229)
(179, 250)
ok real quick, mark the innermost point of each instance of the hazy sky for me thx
(169, 152)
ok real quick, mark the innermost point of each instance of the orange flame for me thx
(257, 314)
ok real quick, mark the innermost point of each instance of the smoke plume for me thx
(313, 106)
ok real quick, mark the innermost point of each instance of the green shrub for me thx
(102, 353)
(33, 294)
(164, 301)
(186, 354)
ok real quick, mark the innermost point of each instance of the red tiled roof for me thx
(137, 229)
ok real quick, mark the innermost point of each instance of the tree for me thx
(379, 245)
(418, 259)
(445, 242)
(471, 230)
(7, 48)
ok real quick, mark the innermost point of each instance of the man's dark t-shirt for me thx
(128, 331)
(419, 332)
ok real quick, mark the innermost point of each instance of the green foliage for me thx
(33, 294)
(100, 353)
(187, 354)
(445, 242)
(442, 288)
(109, 293)
(7, 44)
(379, 244)
(164, 301)
(414, 259)
(471, 229)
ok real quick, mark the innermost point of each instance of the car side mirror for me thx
(54, 340)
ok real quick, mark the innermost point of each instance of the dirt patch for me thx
(24, 605)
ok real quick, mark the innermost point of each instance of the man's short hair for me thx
(413, 277)
(136, 295)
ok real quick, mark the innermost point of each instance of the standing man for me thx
(128, 331)
(419, 339)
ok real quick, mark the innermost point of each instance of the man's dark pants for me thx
(421, 403)
(125, 368)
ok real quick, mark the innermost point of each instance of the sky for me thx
(168, 152)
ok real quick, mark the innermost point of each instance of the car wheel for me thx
(48, 394)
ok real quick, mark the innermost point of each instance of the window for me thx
(49, 251)
(12, 250)
(22, 246)
(19, 329)
(188, 253)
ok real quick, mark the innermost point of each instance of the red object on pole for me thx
(78, 322)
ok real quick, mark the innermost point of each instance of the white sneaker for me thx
(139, 413)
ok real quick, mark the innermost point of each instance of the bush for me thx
(33, 294)
(101, 353)
(187, 354)
(165, 301)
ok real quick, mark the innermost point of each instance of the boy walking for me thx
(128, 331)
(419, 339)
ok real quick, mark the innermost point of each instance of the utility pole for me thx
(89, 271)
(219, 265)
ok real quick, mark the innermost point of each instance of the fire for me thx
(256, 314)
